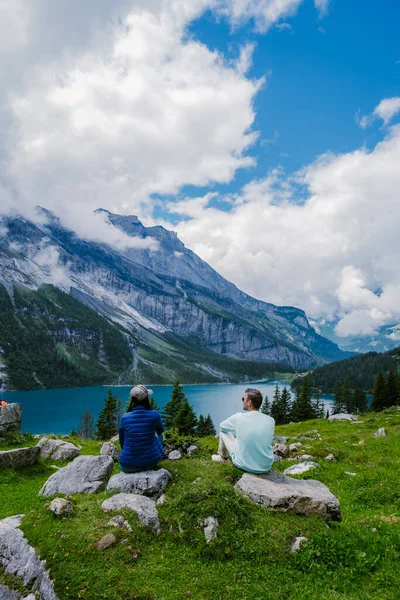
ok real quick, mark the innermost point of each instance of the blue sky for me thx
(155, 108)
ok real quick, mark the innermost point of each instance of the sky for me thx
(265, 132)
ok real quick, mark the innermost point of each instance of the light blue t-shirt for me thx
(253, 448)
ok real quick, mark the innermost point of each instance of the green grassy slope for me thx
(356, 559)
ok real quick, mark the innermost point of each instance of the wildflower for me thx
(189, 592)
(171, 530)
(362, 521)
(135, 556)
(138, 550)
(129, 547)
(166, 519)
(105, 510)
(34, 524)
(64, 518)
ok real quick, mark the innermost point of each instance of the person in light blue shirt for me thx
(247, 437)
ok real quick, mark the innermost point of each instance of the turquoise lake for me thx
(59, 410)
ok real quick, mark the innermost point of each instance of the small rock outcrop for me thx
(343, 417)
(297, 544)
(278, 492)
(174, 455)
(301, 468)
(330, 457)
(61, 507)
(85, 474)
(18, 558)
(109, 449)
(19, 458)
(211, 527)
(10, 417)
(280, 450)
(57, 449)
(380, 433)
(144, 507)
(106, 541)
(144, 483)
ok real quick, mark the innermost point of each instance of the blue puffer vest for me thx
(140, 438)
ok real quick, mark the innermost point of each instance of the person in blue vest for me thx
(140, 433)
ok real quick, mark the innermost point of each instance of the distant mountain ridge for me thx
(181, 316)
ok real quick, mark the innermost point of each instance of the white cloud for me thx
(264, 13)
(328, 255)
(386, 110)
(284, 27)
(322, 7)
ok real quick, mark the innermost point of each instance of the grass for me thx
(356, 559)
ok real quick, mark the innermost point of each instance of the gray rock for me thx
(305, 457)
(85, 474)
(115, 439)
(109, 449)
(192, 450)
(185, 446)
(120, 522)
(211, 527)
(106, 541)
(330, 457)
(144, 507)
(277, 458)
(57, 449)
(19, 559)
(380, 433)
(350, 474)
(61, 507)
(174, 455)
(279, 439)
(301, 468)
(7, 594)
(343, 417)
(293, 447)
(19, 458)
(281, 450)
(145, 483)
(197, 480)
(10, 417)
(297, 543)
(278, 492)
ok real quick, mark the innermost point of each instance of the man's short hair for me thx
(255, 396)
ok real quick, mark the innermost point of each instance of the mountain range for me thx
(173, 314)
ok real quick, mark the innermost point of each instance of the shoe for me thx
(217, 458)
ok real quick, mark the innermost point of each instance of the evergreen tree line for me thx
(305, 405)
(385, 393)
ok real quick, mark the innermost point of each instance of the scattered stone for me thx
(57, 449)
(330, 457)
(109, 449)
(281, 450)
(301, 468)
(19, 458)
(144, 507)
(297, 544)
(10, 417)
(192, 450)
(197, 480)
(277, 458)
(305, 457)
(162, 499)
(121, 522)
(61, 506)
(350, 473)
(219, 459)
(380, 433)
(85, 474)
(392, 520)
(107, 541)
(174, 455)
(293, 447)
(144, 483)
(185, 446)
(343, 417)
(211, 527)
(19, 559)
(278, 492)
(280, 439)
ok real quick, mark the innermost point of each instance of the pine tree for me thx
(347, 396)
(318, 405)
(391, 391)
(338, 403)
(275, 406)
(106, 425)
(153, 404)
(86, 425)
(201, 428)
(185, 419)
(266, 406)
(209, 425)
(281, 406)
(378, 393)
(302, 406)
(172, 407)
(360, 401)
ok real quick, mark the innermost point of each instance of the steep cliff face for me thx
(159, 294)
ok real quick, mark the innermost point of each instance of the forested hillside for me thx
(360, 371)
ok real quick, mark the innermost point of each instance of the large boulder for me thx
(145, 483)
(144, 507)
(19, 458)
(278, 492)
(10, 417)
(343, 417)
(18, 558)
(85, 474)
(57, 449)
